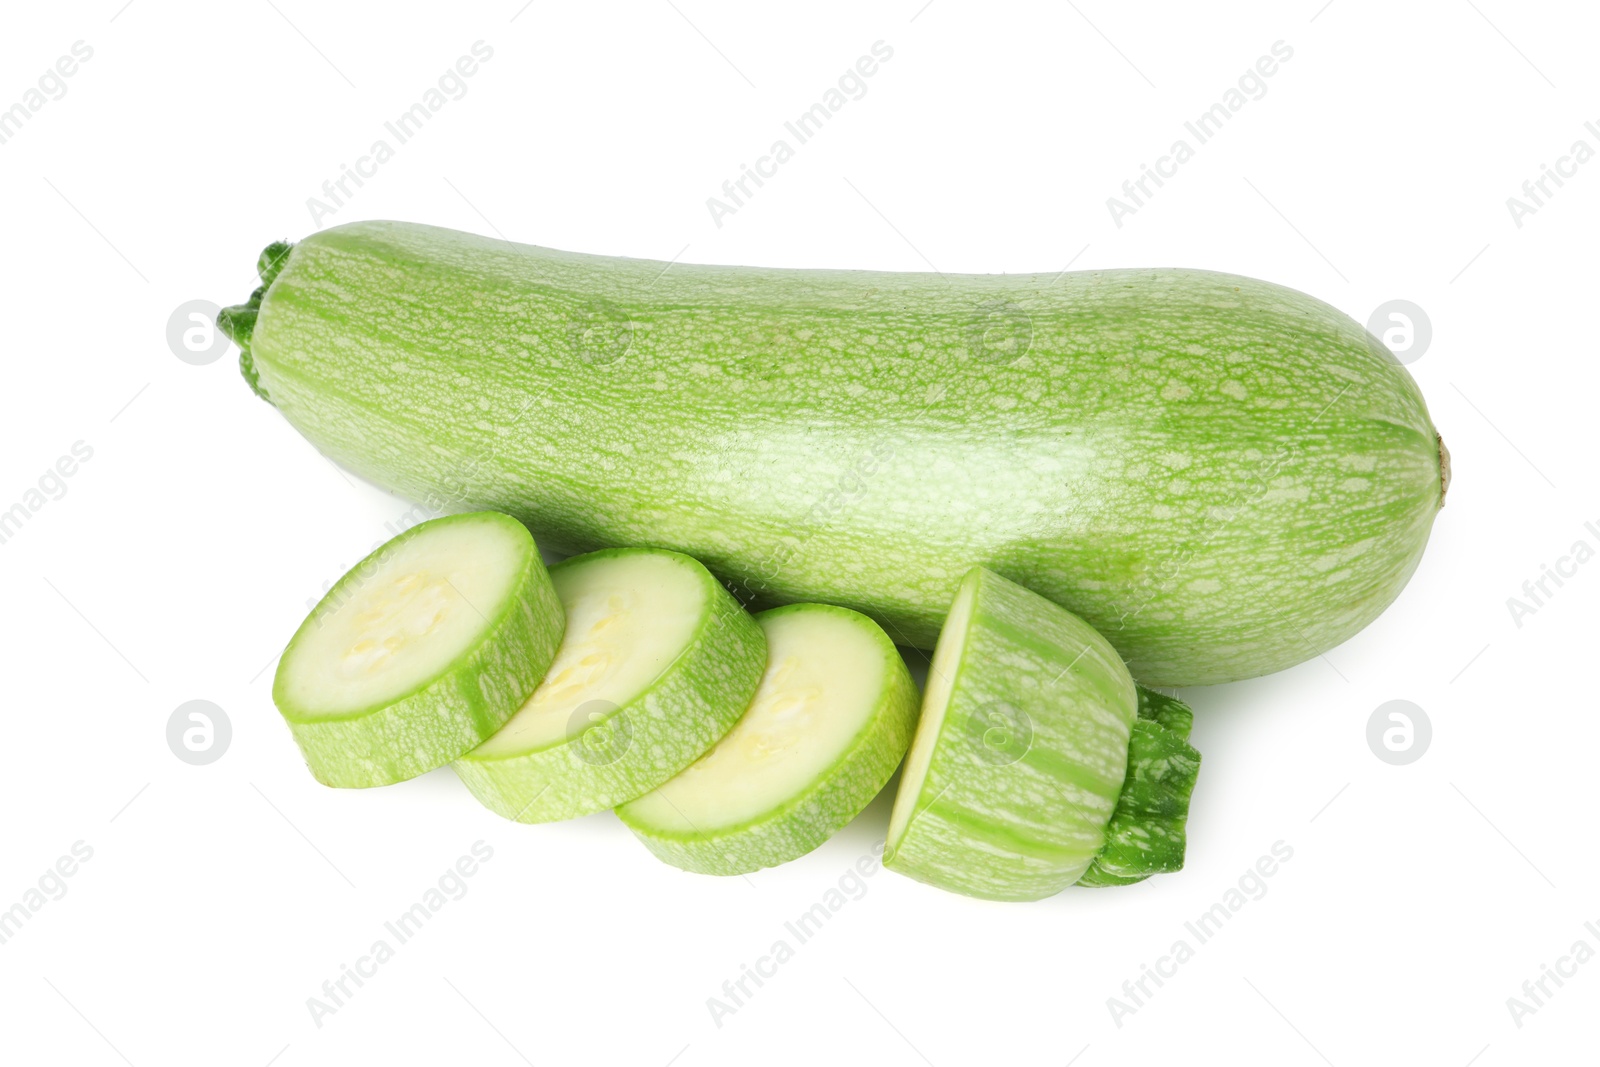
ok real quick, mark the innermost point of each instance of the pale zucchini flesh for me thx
(1021, 750)
(420, 652)
(827, 726)
(657, 663)
(629, 615)
(1222, 476)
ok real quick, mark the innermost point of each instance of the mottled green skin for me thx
(686, 710)
(451, 713)
(1223, 476)
(1021, 823)
(1147, 834)
(804, 821)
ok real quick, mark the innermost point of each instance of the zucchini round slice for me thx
(420, 652)
(658, 662)
(829, 723)
(1021, 751)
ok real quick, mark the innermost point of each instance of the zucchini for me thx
(1019, 760)
(824, 732)
(658, 662)
(1221, 475)
(420, 652)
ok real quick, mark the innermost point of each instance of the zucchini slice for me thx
(658, 662)
(828, 725)
(1021, 751)
(420, 652)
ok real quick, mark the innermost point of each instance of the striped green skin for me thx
(1018, 823)
(1147, 833)
(1222, 476)
(686, 710)
(804, 821)
(452, 712)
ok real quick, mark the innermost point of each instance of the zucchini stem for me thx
(238, 322)
(1444, 469)
(1146, 834)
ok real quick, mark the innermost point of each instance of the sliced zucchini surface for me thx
(420, 652)
(657, 663)
(1021, 750)
(829, 722)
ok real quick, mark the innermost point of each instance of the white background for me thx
(220, 897)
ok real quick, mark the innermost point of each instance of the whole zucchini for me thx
(1222, 476)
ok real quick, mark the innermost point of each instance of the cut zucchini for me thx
(657, 664)
(424, 649)
(1021, 751)
(828, 725)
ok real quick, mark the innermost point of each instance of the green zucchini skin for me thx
(1022, 823)
(1222, 476)
(451, 713)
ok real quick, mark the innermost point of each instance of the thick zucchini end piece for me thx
(420, 652)
(1021, 751)
(1146, 834)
